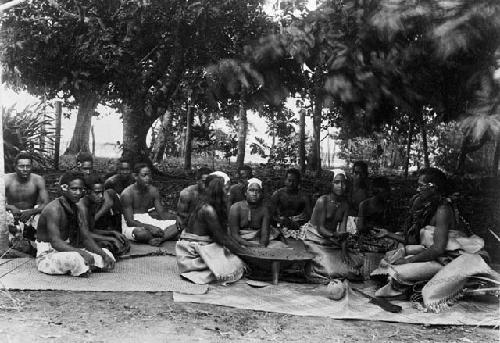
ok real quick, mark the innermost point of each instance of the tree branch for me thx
(10, 4)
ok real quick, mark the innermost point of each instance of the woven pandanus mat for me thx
(145, 274)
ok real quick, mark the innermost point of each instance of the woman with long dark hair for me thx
(205, 251)
(438, 253)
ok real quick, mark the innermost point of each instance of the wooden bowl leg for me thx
(275, 267)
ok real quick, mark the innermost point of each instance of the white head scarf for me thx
(255, 180)
(339, 172)
(222, 175)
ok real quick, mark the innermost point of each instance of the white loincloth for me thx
(145, 218)
(51, 261)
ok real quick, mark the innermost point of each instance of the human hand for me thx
(88, 258)
(25, 215)
(401, 260)
(120, 237)
(16, 213)
(155, 230)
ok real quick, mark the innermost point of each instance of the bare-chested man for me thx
(189, 197)
(26, 197)
(237, 192)
(64, 243)
(359, 191)
(122, 179)
(373, 211)
(85, 163)
(104, 224)
(137, 199)
(291, 207)
(205, 249)
(249, 220)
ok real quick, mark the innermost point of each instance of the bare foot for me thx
(156, 242)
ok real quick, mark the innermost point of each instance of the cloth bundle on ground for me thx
(445, 278)
(145, 218)
(22, 235)
(203, 261)
(51, 261)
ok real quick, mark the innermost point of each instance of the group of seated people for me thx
(91, 223)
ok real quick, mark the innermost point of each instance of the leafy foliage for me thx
(23, 131)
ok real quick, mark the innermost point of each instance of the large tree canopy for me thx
(138, 55)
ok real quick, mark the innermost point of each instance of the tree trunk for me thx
(189, 138)
(302, 141)
(162, 137)
(4, 230)
(57, 141)
(408, 148)
(87, 104)
(135, 130)
(316, 158)
(242, 135)
(496, 158)
(425, 149)
(92, 133)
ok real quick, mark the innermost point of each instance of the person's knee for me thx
(142, 235)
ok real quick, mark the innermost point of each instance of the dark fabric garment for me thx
(73, 220)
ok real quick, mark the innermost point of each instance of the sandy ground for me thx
(56, 316)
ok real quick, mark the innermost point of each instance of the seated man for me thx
(26, 197)
(373, 216)
(122, 179)
(104, 224)
(291, 207)
(373, 211)
(64, 242)
(137, 199)
(237, 192)
(85, 163)
(358, 192)
(205, 251)
(189, 197)
(249, 220)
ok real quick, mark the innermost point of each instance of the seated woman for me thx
(249, 220)
(436, 249)
(324, 236)
(205, 251)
